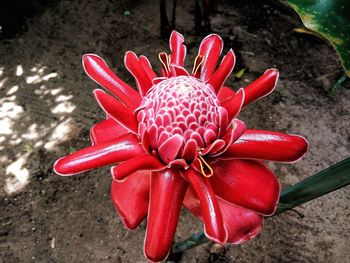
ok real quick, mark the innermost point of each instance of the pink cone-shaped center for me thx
(179, 117)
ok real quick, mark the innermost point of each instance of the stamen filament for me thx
(164, 59)
(204, 165)
(198, 61)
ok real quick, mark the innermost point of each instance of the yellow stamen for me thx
(205, 166)
(197, 64)
(164, 59)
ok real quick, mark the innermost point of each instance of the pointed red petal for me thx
(234, 104)
(249, 184)
(158, 80)
(239, 127)
(135, 67)
(169, 149)
(225, 93)
(178, 50)
(224, 120)
(145, 142)
(232, 134)
(167, 193)
(147, 67)
(98, 70)
(153, 135)
(261, 87)
(130, 198)
(219, 77)
(118, 150)
(212, 217)
(141, 162)
(210, 49)
(190, 151)
(241, 224)
(267, 145)
(116, 110)
(213, 148)
(179, 71)
(106, 131)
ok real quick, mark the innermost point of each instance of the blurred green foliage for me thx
(330, 19)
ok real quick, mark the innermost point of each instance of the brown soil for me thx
(47, 109)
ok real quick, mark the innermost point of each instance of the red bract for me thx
(178, 142)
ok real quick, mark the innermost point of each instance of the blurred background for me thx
(47, 109)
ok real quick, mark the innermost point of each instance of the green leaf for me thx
(126, 13)
(27, 148)
(326, 181)
(331, 19)
(72, 149)
(240, 73)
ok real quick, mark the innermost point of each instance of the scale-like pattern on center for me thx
(181, 105)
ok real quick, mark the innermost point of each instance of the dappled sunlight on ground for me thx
(23, 104)
(48, 110)
(18, 175)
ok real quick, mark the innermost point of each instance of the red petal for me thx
(153, 135)
(158, 80)
(147, 67)
(238, 127)
(106, 131)
(225, 93)
(98, 70)
(249, 184)
(241, 224)
(190, 151)
(261, 87)
(267, 145)
(178, 50)
(234, 104)
(167, 193)
(170, 148)
(213, 222)
(139, 163)
(213, 148)
(135, 67)
(232, 134)
(218, 79)
(223, 120)
(116, 110)
(118, 150)
(130, 198)
(210, 49)
(145, 142)
(179, 71)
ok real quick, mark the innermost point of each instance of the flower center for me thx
(183, 108)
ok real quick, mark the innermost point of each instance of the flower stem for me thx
(193, 241)
(321, 183)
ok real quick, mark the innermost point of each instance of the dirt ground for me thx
(47, 108)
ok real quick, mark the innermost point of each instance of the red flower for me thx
(178, 142)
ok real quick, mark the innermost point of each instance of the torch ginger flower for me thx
(178, 142)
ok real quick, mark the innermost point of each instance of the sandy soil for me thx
(46, 110)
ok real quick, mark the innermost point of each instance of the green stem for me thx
(193, 241)
(321, 183)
